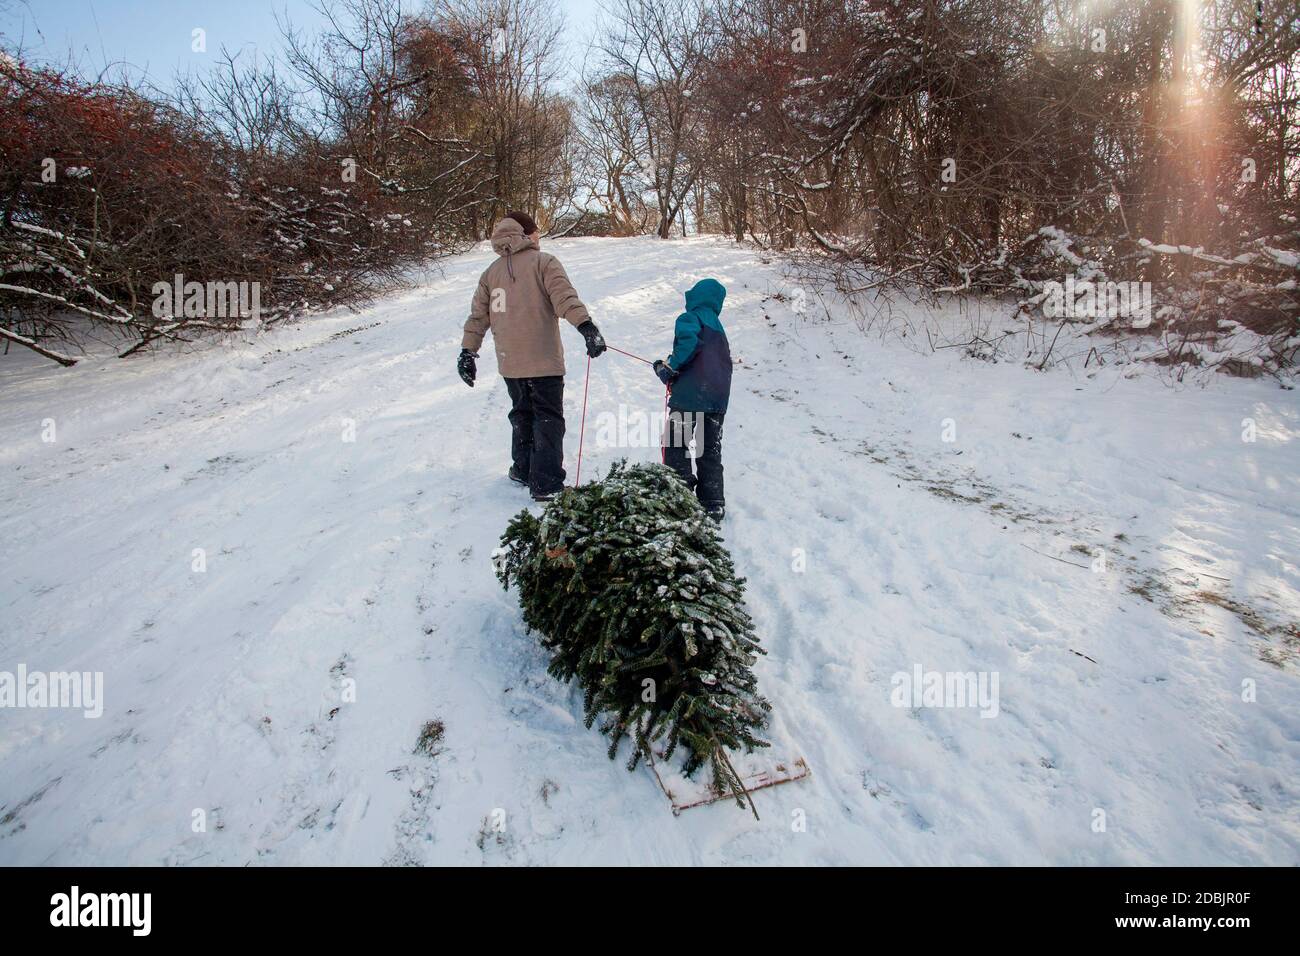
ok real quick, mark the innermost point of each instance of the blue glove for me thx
(664, 371)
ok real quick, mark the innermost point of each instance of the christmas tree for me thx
(634, 594)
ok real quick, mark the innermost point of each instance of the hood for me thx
(508, 238)
(708, 293)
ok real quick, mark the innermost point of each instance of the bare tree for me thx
(507, 49)
(609, 139)
(655, 52)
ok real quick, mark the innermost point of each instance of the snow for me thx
(872, 549)
(1283, 257)
(41, 230)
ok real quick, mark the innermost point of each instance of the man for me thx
(519, 298)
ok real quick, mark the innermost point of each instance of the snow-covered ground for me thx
(1147, 710)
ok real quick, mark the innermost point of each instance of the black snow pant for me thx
(705, 430)
(537, 431)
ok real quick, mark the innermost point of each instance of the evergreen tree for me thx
(635, 595)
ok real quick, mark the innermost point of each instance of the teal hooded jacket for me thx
(701, 354)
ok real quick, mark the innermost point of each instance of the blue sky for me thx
(153, 37)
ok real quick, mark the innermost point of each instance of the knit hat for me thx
(524, 220)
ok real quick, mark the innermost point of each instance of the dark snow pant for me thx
(705, 429)
(537, 431)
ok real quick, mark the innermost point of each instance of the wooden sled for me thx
(684, 794)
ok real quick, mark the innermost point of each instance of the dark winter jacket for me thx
(701, 355)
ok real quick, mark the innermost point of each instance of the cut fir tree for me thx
(634, 594)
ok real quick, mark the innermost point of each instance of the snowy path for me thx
(331, 561)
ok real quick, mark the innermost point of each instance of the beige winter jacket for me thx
(518, 298)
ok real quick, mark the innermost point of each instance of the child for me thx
(699, 375)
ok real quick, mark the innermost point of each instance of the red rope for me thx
(628, 354)
(582, 429)
(663, 447)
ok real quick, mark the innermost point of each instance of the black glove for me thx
(664, 371)
(595, 341)
(465, 365)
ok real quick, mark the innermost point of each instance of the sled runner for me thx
(757, 774)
